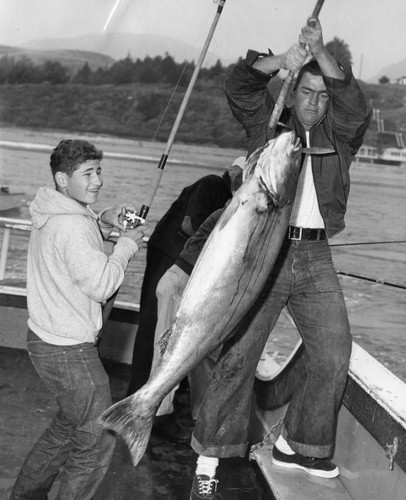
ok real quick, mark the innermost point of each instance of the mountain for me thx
(120, 45)
(393, 72)
(73, 59)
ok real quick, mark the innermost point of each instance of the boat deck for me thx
(165, 471)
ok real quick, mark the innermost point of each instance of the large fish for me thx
(226, 280)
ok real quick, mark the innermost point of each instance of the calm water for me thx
(375, 219)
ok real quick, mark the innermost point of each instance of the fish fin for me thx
(127, 420)
(164, 339)
(272, 196)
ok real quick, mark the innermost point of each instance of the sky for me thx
(374, 30)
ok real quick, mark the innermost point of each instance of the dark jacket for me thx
(342, 130)
(194, 245)
(196, 201)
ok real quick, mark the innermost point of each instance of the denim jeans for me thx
(75, 449)
(303, 279)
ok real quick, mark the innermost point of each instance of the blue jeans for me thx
(74, 448)
(303, 279)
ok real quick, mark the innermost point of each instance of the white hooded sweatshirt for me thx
(68, 273)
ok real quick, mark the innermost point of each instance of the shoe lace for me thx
(207, 486)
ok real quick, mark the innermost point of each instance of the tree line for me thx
(163, 70)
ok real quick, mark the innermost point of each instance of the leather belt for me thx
(305, 233)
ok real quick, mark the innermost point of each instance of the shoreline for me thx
(192, 154)
(195, 155)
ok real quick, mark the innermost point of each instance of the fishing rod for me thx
(366, 243)
(145, 208)
(373, 280)
(131, 218)
(280, 103)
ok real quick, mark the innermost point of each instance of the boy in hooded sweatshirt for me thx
(68, 278)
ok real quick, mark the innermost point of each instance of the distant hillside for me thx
(73, 59)
(119, 45)
(138, 111)
(393, 72)
(143, 111)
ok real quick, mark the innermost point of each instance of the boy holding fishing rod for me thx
(68, 279)
(329, 114)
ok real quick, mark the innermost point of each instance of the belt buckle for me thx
(292, 232)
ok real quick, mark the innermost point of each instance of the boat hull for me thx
(372, 415)
(371, 433)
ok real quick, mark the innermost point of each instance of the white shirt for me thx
(305, 211)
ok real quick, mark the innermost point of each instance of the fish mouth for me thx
(279, 166)
(297, 146)
(294, 146)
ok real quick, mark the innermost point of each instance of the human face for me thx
(310, 100)
(85, 183)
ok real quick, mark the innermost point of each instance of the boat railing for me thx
(9, 224)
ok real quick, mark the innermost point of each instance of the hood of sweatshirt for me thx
(49, 203)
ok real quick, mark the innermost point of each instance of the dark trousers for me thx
(303, 279)
(156, 265)
(74, 448)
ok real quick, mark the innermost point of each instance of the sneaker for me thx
(319, 467)
(203, 487)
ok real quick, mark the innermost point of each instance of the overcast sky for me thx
(374, 30)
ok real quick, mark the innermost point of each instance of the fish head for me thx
(278, 167)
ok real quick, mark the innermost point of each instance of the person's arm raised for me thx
(291, 60)
(312, 36)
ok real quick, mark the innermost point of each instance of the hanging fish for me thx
(226, 280)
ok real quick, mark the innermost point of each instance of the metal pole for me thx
(4, 252)
(145, 208)
(280, 103)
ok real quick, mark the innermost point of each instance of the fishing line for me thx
(164, 157)
(367, 243)
(373, 280)
(170, 101)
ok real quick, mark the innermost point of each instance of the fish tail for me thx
(132, 420)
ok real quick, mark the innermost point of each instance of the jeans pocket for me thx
(322, 271)
(52, 365)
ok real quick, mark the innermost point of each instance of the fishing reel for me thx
(131, 219)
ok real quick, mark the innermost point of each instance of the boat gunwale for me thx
(373, 395)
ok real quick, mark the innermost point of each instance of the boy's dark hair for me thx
(311, 67)
(70, 153)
